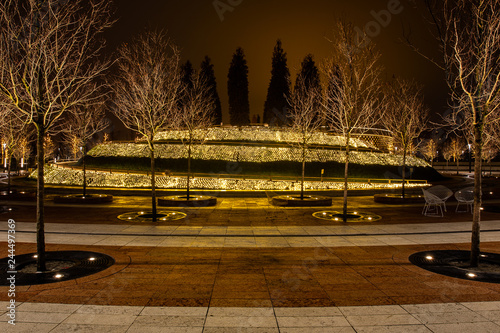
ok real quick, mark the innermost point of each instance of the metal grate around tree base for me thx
(454, 263)
(84, 263)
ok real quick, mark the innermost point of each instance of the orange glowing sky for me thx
(302, 25)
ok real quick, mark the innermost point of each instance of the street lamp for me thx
(470, 158)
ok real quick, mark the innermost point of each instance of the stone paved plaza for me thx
(246, 266)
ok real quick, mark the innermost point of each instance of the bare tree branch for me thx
(49, 52)
(147, 89)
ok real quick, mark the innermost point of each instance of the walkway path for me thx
(274, 270)
(62, 318)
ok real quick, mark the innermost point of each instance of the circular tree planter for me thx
(147, 216)
(455, 263)
(390, 198)
(61, 266)
(14, 195)
(296, 201)
(84, 199)
(352, 216)
(182, 201)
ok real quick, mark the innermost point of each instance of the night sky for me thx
(303, 26)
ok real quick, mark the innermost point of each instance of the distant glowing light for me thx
(429, 257)
(471, 275)
(58, 276)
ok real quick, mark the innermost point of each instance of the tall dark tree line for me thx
(237, 89)
(276, 105)
(308, 80)
(207, 75)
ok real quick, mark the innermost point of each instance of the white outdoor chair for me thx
(442, 192)
(465, 196)
(433, 204)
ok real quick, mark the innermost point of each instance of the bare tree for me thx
(429, 150)
(405, 117)
(195, 117)
(14, 133)
(468, 33)
(304, 119)
(454, 148)
(474, 27)
(447, 153)
(48, 53)
(82, 124)
(490, 151)
(23, 149)
(352, 101)
(147, 89)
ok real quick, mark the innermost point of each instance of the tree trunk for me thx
(40, 187)
(303, 172)
(153, 183)
(476, 218)
(189, 171)
(403, 174)
(84, 170)
(346, 172)
(8, 157)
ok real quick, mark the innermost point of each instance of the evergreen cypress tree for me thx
(309, 77)
(187, 73)
(186, 76)
(237, 89)
(207, 74)
(275, 107)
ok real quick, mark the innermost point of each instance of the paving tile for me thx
(240, 321)
(372, 310)
(139, 328)
(82, 328)
(482, 306)
(317, 330)
(330, 321)
(174, 311)
(307, 312)
(240, 312)
(170, 321)
(100, 319)
(484, 327)
(449, 317)
(114, 310)
(48, 307)
(41, 317)
(26, 327)
(382, 320)
(240, 330)
(393, 329)
(433, 308)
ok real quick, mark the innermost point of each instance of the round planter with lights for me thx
(351, 216)
(455, 263)
(84, 199)
(61, 266)
(147, 216)
(296, 201)
(390, 198)
(183, 201)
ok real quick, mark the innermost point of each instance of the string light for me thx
(67, 176)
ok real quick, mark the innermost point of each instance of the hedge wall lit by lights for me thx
(261, 134)
(250, 153)
(67, 176)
